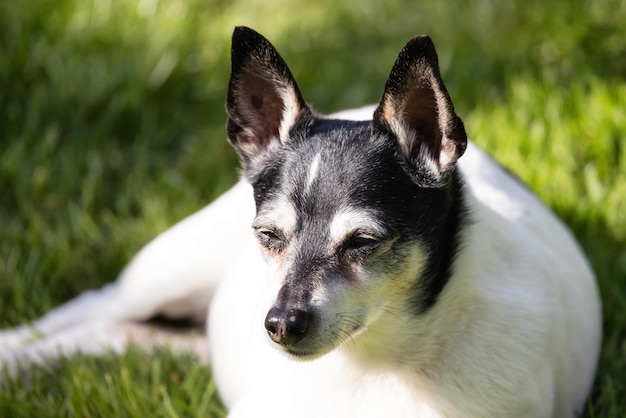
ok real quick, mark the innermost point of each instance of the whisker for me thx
(349, 319)
(343, 340)
(390, 310)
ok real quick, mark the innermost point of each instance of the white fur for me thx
(290, 113)
(314, 170)
(348, 220)
(525, 333)
(281, 214)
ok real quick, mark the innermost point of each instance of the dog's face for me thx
(353, 218)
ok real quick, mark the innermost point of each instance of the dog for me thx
(373, 263)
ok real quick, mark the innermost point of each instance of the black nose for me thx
(287, 327)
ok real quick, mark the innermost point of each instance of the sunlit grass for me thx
(132, 385)
(112, 129)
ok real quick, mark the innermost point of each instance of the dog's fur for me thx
(399, 282)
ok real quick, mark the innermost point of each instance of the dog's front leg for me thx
(174, 275)
(87, 305)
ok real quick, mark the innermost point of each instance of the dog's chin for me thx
(303, 353)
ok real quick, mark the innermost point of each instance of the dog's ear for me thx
(416, 109)
(263, 101)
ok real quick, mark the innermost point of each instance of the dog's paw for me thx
(12, 339)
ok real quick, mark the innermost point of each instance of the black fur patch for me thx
(364, 168)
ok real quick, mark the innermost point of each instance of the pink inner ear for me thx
(422, 119)
(261, 108)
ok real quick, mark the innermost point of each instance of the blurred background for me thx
(112, 129)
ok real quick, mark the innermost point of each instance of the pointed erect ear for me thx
(263, 100)
(416, 109)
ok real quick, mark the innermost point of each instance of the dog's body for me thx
(415, 285)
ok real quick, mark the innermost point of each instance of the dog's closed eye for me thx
(359, 245)
(271, 239)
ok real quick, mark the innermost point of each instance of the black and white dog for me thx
(401, 279)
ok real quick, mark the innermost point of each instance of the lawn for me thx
(112, 129)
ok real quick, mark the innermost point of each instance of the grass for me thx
(131, 385)
(112, 129)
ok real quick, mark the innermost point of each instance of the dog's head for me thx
(355, 219)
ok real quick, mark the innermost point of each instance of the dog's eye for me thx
(359, 245)
(361, 241)
(271, 239)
